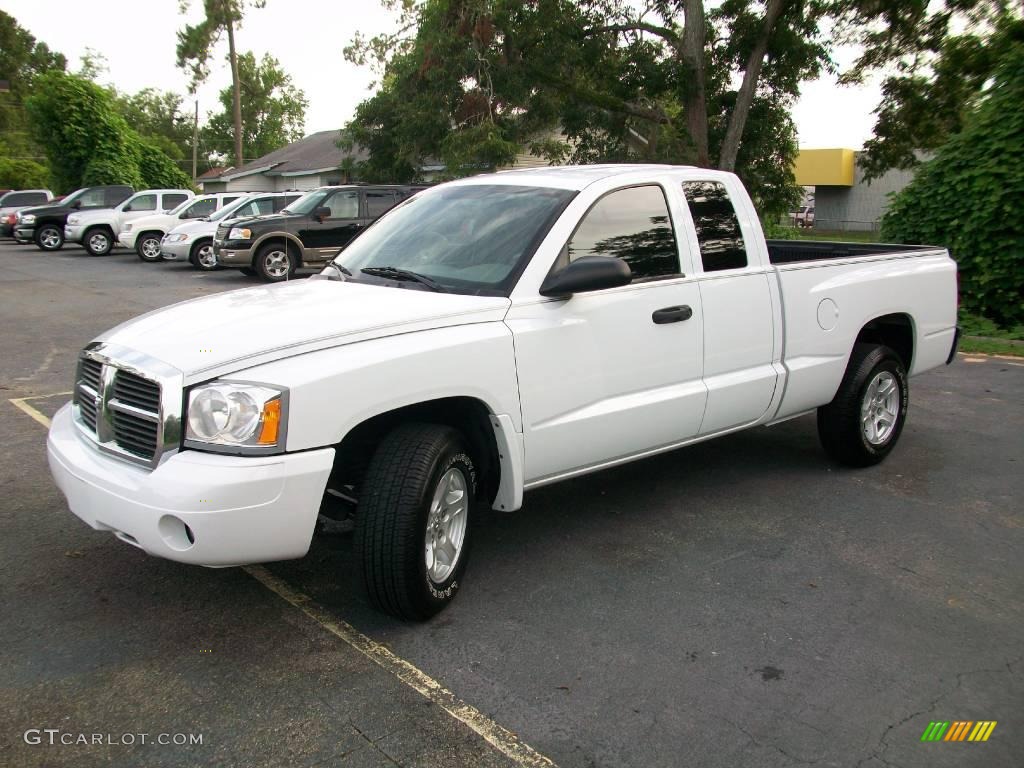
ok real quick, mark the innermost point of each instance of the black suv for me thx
(44, 225)
(308, 233)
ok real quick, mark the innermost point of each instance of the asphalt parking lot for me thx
(738, 603)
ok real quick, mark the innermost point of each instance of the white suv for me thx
(144, 234)
(193, 240)
(95, 230)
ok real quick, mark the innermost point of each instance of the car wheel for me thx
(49, 238)
(862, 424)
(147, 245)
(275, 263)
(98, 241)
(415, 519)
(202, 256)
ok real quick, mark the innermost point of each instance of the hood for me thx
(265, 217)
(227, 332)
(194, 227)
(149, 220)
(46, 210)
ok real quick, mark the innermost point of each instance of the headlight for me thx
(176, 238)
(28, 218)
(239, 233)
(225, 415)
(74, 219)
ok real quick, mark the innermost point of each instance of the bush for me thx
(969, 199)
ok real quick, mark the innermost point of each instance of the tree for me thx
(968, 198)
(195, 51)
(940, 57)
(273, 110)
(473, 81)
(22, 60)
(88, 141)
(157, 116)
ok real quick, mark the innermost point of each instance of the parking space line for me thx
(497, 736)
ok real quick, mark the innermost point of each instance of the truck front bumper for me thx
(25, 234)
(195, 507)
(233, 256)
(177, 251)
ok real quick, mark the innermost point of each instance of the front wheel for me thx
(98, 241)
(202, 256)
(50, 238)
(148, 246)
(275, 263)
(414, 520)
(861, 425)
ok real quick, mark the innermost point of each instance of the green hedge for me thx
(970, 198)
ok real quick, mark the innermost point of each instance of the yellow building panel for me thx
(824, 167)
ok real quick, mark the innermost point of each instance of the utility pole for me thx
(195, 145)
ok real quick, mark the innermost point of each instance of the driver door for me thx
(321, 240)
(610, 374)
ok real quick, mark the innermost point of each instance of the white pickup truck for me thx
(97, 230)
(486, 337)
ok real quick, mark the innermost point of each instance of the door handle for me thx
(672, 314)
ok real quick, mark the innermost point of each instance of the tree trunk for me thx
(695, 98)
(236, 88)
(745, 97)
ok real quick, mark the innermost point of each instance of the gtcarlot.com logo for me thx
(958, 730)
(55, 737)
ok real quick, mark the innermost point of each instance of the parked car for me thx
(802, 217)
(44, 225)
(15, 200)
(489, 336)
(95, 230)
(143, 235)
(309, 232)
(192, 241)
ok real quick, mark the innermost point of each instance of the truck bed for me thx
(789, 251)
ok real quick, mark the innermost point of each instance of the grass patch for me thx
(989, 338)
(991, 347)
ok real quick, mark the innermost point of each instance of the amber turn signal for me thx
(271, 421)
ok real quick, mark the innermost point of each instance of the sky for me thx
(138, 39)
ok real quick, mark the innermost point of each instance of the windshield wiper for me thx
(403, 274)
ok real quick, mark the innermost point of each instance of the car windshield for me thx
(186, 204)
(227, 210)
(307, 203)
(74, 196)
(472, 238)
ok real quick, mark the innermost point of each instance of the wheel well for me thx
(466, 414)
(156, 232)
(105, 227)
(894, 331)
(288, 243)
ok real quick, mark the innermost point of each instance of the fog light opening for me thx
(189, 535)
(175, 533)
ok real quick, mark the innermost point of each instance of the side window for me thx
(142, 203)
(25, 198)
(117, 195)
(343, 205)
(263, 206)
(199, 209)
(632, 224)
(280, 203)
(378, 203)
(94, 198)
(172, 200)
(231, 199)
(718, 229)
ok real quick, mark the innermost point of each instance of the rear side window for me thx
(718, 229)
(173, 200)
(25, 198)
(378, 203)
(117, 195)
(632, 224)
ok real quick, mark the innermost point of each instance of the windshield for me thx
(74, 196)
(468, 239)
(191, 201)
(307, 203)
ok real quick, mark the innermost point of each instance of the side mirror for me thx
(321, 213)
(590, 273)
(76, 204)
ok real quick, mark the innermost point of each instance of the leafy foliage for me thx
(88, 141)
(273, 110)
(968, 198)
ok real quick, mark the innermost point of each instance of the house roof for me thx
(317, 152)
(214, 173)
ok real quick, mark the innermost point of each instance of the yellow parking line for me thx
(497, 736)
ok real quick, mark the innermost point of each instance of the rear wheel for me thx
(98, 241)
(275, 262)
(147, 245)
(49, 237)
(203, 257)
(415, 519)
(862, 424)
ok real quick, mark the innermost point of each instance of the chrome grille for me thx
(120, 403)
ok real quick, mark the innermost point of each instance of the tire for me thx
(98, 241)
(202, 256)
(147, 246)
(275, 262)
(49, 237)
(858, 428)
(248, 271)
(396, 530)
